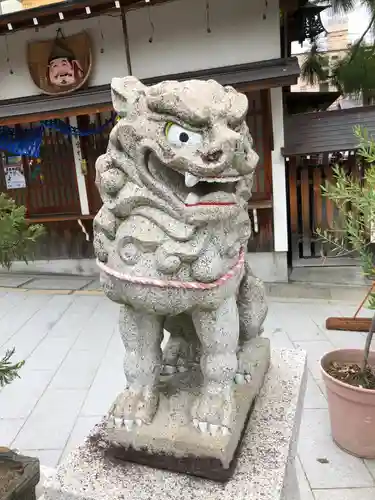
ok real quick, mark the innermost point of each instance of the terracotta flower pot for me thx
(351, 409)
(19, 475)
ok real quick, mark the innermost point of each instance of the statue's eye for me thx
(179, 136)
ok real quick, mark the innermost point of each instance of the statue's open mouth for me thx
(209, 191)
(195, 191)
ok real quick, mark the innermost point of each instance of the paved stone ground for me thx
(73, 372)
(64, 283)
(67, 284)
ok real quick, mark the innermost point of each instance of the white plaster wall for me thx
(8, 6)
(239, 34)
(106, 65)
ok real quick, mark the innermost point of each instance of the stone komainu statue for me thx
(171, 240)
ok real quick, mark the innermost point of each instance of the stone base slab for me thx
(172, 442)
(267, 454)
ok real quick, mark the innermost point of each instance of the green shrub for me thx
(17, 242)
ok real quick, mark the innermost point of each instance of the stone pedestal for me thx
(265, 466)
(171, 442)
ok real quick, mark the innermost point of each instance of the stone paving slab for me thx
(58, 283)
(345, 494)
(94, 285)
(318, 291)
(14, 280)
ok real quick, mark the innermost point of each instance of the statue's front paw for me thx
(246, 366)
(213, 413)
(134, 407)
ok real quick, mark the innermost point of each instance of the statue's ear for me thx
(125, 93)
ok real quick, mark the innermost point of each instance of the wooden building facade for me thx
(53, 197)
(146, 40)
(314, 144)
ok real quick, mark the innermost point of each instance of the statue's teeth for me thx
(223, 180)
(190, 179)
(191, 199)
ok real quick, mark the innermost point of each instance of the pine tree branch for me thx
(9, 371)
(359, 42)
(17, 238)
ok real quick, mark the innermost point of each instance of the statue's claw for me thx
(134, 408)
(118, 422)
(211, 429)
(214, 429)
(130, 425)
(213, 413)
(203, 427)
(168, 370)
(243, 378)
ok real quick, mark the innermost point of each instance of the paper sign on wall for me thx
(14, 174)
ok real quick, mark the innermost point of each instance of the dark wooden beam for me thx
(289, 5)
(72, 10)
(245, 77)
(11, 121)
(126, 40)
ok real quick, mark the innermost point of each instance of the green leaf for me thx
(355, 199)
(8, 370)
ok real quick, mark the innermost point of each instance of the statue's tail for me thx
(252, 305)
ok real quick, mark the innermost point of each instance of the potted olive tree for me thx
(19, 475)
(349, 374)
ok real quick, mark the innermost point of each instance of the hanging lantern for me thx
(308, 22)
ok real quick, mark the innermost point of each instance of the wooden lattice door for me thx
(51, 180)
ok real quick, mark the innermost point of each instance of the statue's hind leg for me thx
(182, 351)
(141, 334)
(252, 308)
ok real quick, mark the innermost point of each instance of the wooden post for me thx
(280, 223)
(81, 181)
(126, 40)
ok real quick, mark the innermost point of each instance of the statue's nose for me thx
(222, 143)
(213, 155)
